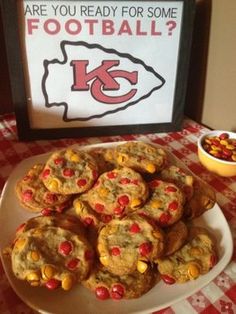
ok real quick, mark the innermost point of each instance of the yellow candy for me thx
(142, 267)
(208, 141)
(33, 278)
(136, 202)
(193, 271)
(78, 205)
(196, 251)
(230, 147)
(48, 271)
(216, 148)
(67, 282)
(53, 184)
(33, 255)
(69, 153)
(189, 180)
(104, 260)
(213, 152)
(151, 168)
(155, 204)
(20, 243)
(121, 158)
(224, 142)
(103, 192)
(74, 158)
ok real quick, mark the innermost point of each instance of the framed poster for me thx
(89, 68)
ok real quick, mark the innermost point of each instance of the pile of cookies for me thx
(115, 220)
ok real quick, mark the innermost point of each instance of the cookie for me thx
(179, 177)
(107, 285)
(203, 199)
(64, 221)
(35, 197)
(175, 237)
(118, 192)
(195, 258)
(140, 156)
(165, 204)
(70, 171)
(125, 245)
(52, 257)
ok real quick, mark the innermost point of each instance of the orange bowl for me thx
(221, 167)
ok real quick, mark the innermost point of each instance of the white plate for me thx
(82, 300)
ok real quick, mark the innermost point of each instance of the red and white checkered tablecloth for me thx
(219, 296)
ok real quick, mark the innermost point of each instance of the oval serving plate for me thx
(61, 302)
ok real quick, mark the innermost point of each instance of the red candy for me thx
(170, 188)
(45, 173)
(167, 279)
(115, 251)
(224, 136)
(106, 218)
(81, 182)
(164, 218)
(52, 284)
(125, 181)
(117, 292)
(119, 210)
(111, 175)
(99, 207)
(173, 205)
(88, 221)
(68, 172)
(145, 248)
(46, 211)
(134, 228)
(59, 161)
(153, 184)
(123, 200)
(65, 248)
(27, 196)
(73, 264)
(102, 293)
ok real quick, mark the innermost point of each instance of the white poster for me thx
(101, 63)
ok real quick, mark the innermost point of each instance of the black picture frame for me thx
(20, 87)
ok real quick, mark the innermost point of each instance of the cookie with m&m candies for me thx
(129, 244)
(140, 156)
(35, 197)
(106, 285)
(70, 171)
(52, 257)
(194, 259)
(118, 192)
(64, 221)
(165, 204)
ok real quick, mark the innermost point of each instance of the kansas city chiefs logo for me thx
(92, 81)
